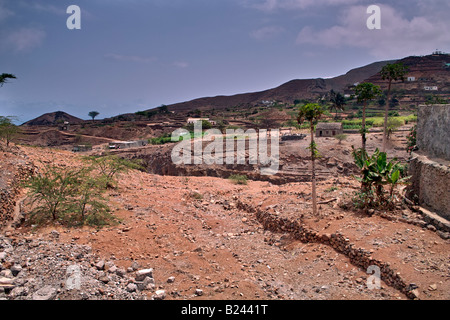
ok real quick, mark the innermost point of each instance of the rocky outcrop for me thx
(33, 269)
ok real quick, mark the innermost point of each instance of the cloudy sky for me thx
(132, 55)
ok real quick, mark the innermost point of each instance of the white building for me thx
(430, 88)
(411, 79)
(194, 120)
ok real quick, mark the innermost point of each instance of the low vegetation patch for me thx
(238, 179)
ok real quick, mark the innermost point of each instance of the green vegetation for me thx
(93, 114)
(205, 126)
(391, 72)
(238, 179)
(312, 112)
(147, 114)
(4, 78)
(108, 167)
(338, 102)
(412, 140)
(433, 99)
(195, 195)
(331, 189)
(165, 138)
(366, 92)
(163, 109)
(340, 137)
(72, 197)
(377, 172)
(376, 121)
(8, 130)
(75, 196)
(392, 125)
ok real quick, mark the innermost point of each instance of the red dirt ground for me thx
(191, 228)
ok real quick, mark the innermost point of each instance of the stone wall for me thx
(430, 166)
(433, 137)
(358, 256)
(430, 184)
(10, 189)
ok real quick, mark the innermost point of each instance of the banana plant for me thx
(394, 178)
(376, 172)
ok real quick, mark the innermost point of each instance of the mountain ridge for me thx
(286, 92)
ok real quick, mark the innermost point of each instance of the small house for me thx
(194, 120)
(411, 79)
(65, 126)
(329, 129)
(127, 144)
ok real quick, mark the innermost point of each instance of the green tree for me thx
(391, 72)
(392, 125)
(8, 130)
(311, 113)
(71, 196)
(93, 114)
(108, 167)
(338, 102)
(365, 92)
(340, 137)
(50, 190)
(88, 203)
(163, 109)
(4, 78)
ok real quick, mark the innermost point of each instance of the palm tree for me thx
(337, 101)
(93, 114)
(312, 112)
(365, 92)
(391, 72)
(4, 78)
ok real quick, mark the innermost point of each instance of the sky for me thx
(133, 55)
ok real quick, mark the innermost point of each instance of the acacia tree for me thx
(365, 92)
(4, 78)
(337, 101)
(391, 72)
(312, 112)
(8, 130)
(93, 114)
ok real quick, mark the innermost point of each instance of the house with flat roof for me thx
(329, 129)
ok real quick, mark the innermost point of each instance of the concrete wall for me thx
(433, 130)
